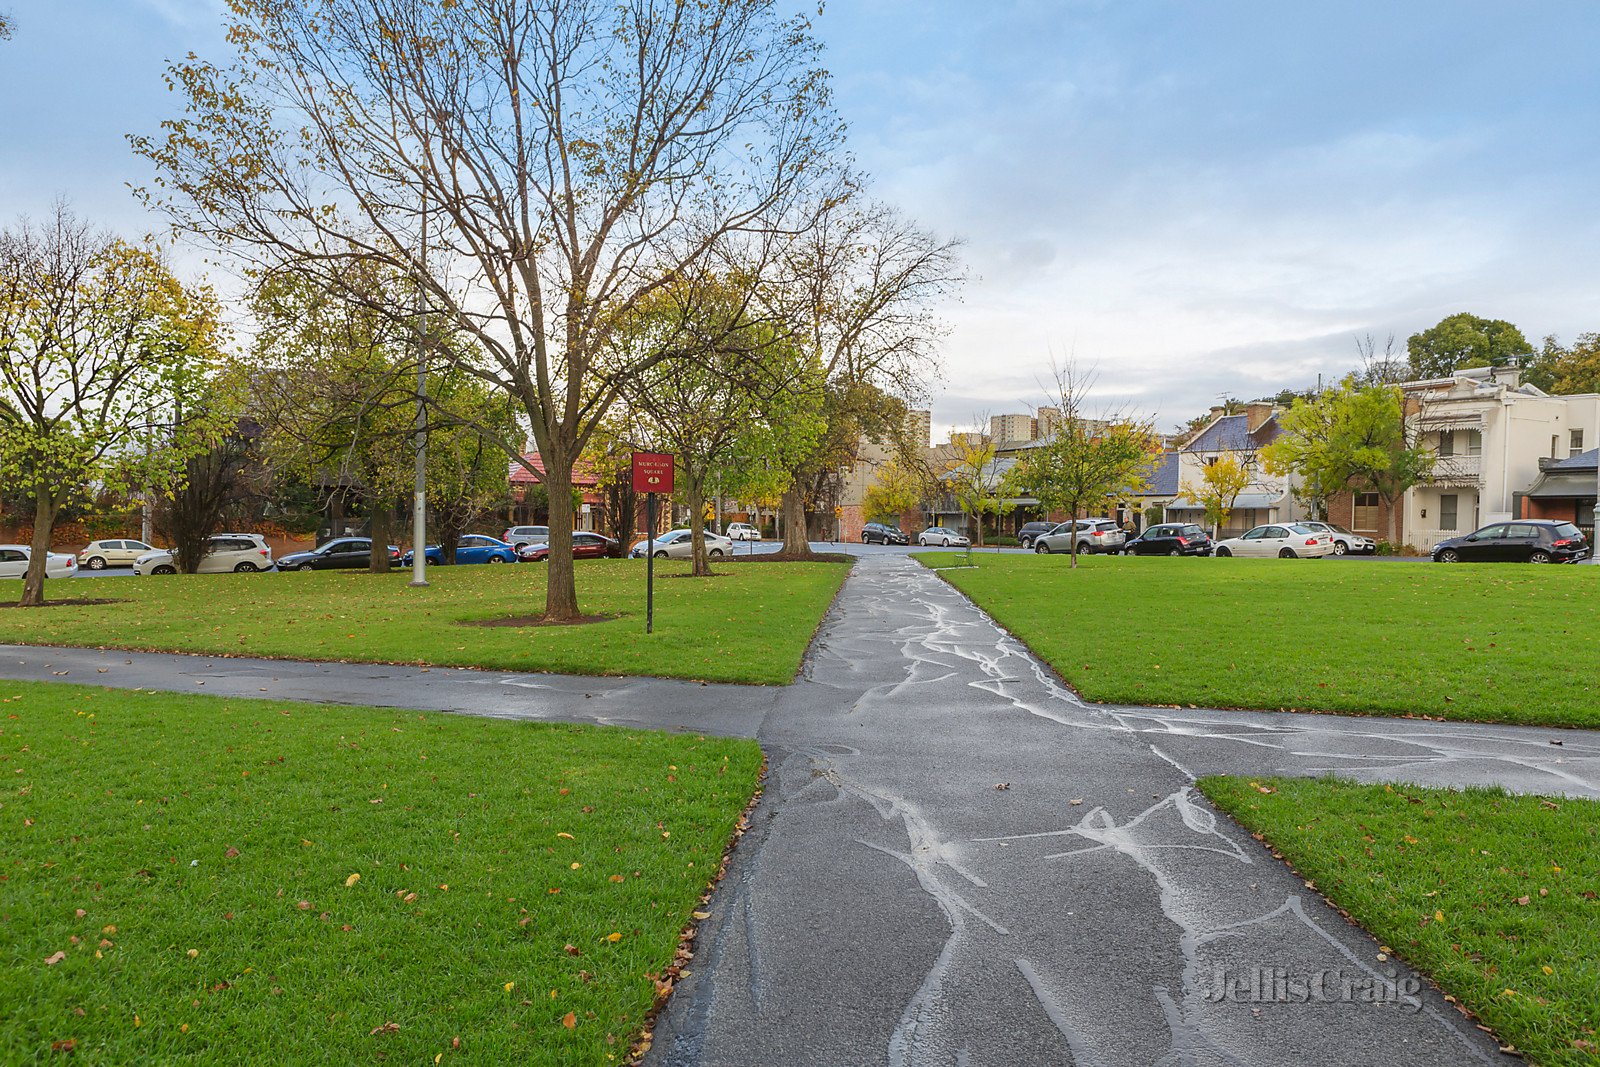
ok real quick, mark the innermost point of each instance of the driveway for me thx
(956, 861)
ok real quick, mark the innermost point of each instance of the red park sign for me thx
(652, 472)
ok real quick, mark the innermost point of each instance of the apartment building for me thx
(855, 480)
(1012, 429)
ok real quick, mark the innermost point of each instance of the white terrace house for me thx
(1490, 432)
(1266, 499)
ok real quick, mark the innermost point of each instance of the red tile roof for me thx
(583, 473)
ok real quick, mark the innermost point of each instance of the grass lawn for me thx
(178, 879)
(747, 624)
(1494, 896)
(1488, 642)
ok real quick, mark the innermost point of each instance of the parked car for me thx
(98, 555)
(1521, 541)
(14, 561)
(519, 537)
(224, 552)
(1286, 540)
(679, 544)
(339, 553)
(1031, 530)
(1092, 535)
(877, 533)
(743, 531)
(1345, 542)
(471, 548)
(940, 535)
(585, 545)
(1170, 539)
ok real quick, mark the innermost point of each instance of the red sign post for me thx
(652, 474)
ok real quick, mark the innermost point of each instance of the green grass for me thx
(1494, 643)
(747, 624)
(120, 813)
(1493, 896)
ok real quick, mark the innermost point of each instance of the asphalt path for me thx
(957, 861)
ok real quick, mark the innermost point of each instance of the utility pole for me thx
(419, 493)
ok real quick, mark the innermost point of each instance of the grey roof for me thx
(1583, 461)
(1231, 433)
(1163, 478)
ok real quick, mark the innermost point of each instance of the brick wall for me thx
(1342, 512)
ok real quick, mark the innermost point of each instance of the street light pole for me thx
(419, 493)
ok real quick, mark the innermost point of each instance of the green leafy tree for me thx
(1356, 436)
(1085, 463)
(104, 359)
(468, 474)
(1220, 484)
(969, 477)
(1465, 340)
(1562, 370)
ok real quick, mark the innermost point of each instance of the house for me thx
(1564, 490)
(528, 507)
(1267, 498)
(1160, 490)
(1490, 433)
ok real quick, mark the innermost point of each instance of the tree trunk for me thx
(44, 521)
(794, 522)
(1390, 523)
(450, 533)
(697, 527)
(378, 527)
(561, 588)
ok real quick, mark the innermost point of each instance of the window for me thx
(1256, 534)
(1555, 445)
(1522, 531)
(1366, 512)
(1449, 511)
(1474, 442)
(1575, 442)
(1447, 443)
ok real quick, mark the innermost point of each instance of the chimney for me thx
(1216, 411)
(1256, 416)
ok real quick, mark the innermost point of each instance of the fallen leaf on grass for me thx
(352, 880)
(617, 878)
(613, 937)
(569, 1020)
(386, 1028)
(231, 853)
(51, 961)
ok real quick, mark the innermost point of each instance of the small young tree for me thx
(1085, 463)
(1221, 482)
(970, 477)
(104, 357)
(222, 478)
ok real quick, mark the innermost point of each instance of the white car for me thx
(1092, 535)
(224, 552)
(1287, 540)
(944, 537)
(1345, 542)
(99, 555)
(679, 544)
(14, 563)
(743, 531)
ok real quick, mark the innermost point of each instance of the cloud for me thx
(187, 14)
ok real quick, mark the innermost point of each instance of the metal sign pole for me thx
(650, 563)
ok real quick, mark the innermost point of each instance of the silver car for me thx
(1344, 542)
(679, 544)
(944, 537)
(1091, 535)
(224, 552)
(14, 563)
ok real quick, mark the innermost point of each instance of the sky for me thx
(1188, 199)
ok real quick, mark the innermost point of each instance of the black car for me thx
(337, 554)
(878, 533)
(1517, 541)
(1031, 530)
(1170, 539)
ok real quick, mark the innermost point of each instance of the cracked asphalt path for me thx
(890, 905)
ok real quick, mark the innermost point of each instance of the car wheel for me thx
(1175, 552)
(1340, 548)
(947, 542)
(1286, 553)
(1041, 548)
(305, 567)
(96, 563)
(1223, 553)
(1539, 556)
(245, 568)
(496, 559)
(1027, 542)
(165, 568)
(715, 552)
(1449, 555)
(661, 555)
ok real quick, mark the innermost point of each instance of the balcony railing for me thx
(1457, 469)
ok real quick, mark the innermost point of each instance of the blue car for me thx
(473, 548)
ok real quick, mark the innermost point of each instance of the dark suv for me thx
(878, 533)
(1170, 539)
(1516, 541)
(1031, 530)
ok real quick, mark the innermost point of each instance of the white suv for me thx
(224, 552)
(1093, 535)
(743, 531)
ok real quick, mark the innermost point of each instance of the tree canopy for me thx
(1466, 340)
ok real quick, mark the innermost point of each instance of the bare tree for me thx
(859, 291)
(1386, 368)
(571, 157)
